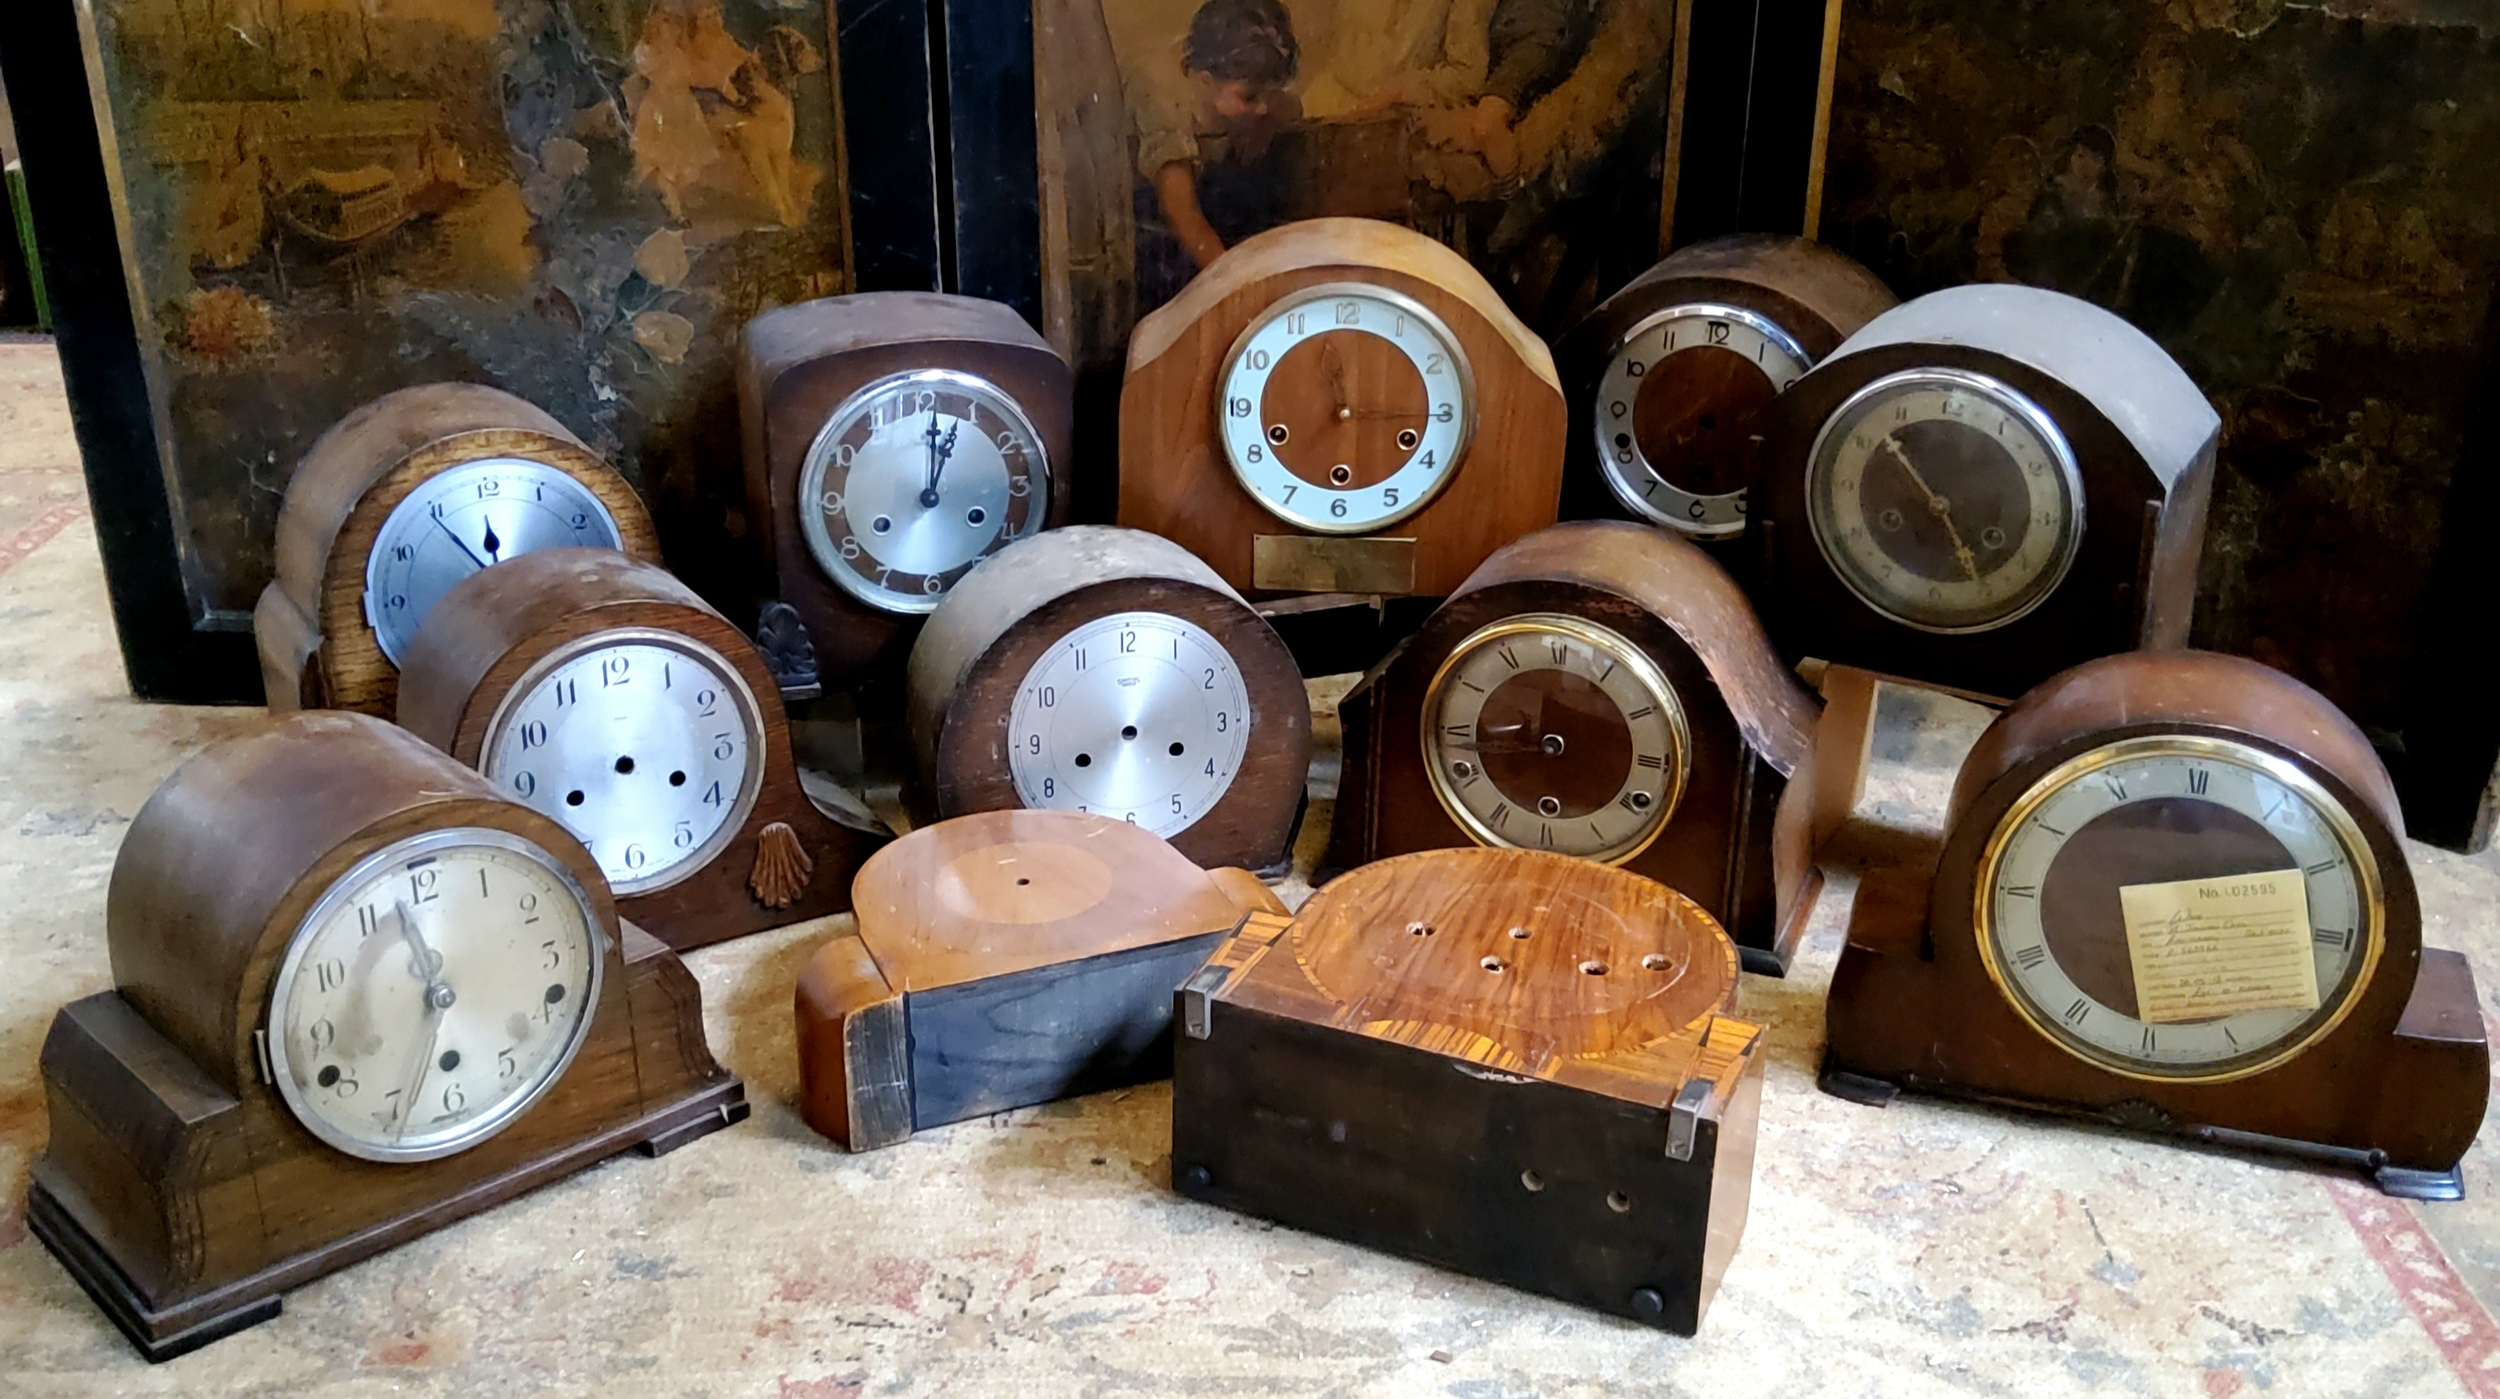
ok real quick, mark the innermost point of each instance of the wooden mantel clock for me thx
(1598, 689)
(2171, 894)
(358, 995)
(1980, 488)
(1671, 379)
(1104, 670)
(402, 499)
(602, 692)
(1004, 959)
(1339, 406)
(1516, 1065)
(893, 441)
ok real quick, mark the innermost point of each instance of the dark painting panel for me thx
(580, 201)
(2301, 203)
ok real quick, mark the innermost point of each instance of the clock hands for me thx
(1937, 506)
(491, 541)
(940, 450)
(494, 546)
(426, 964)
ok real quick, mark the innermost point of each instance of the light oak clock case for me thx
(1175, 480)
(317, 649)
(2143, 438)
(1004, 959)
(178, 1188)
(1519, 1066)
(1008, 616)
(2396, 1087)
(1748, 721)
(799, 364)
(791, 857)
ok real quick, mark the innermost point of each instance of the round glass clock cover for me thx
(1678, 412)
(472, 517)
(1139, 716)
(1549, 732)
(2159, 810)
(645, 744)
(433, 993)
(1345, 408)
(916, 478)
(1945, 500)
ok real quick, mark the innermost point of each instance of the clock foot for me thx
(713, 1118)
(158, 1335)
(1764, 961)
(2406, 1183)
(1857, 1088)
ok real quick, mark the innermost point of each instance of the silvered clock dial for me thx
(1678, 413)
(1139, 716)
(471, 517)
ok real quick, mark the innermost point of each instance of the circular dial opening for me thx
(915, 479)
(1345, 408)
(432, 994)
(1139, 716)
(2157, 811)
(646, 745)
(1945, 500)
(1552, 733)
(1679, 413)
(472, 517)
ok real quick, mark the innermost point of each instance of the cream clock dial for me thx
(2158, 810)
(645, 744)
(435, 991)
(1345, 408)
(1677, 413)
(1552, 733)
(1138, 716)
(469, 518)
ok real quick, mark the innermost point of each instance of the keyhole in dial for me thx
(677, 779)
(625, 765)
(1549, 806)
(1178, 749)
(1408, 438)
(881, 524)
(1129, 732)
(975, 515)
(1553, 745)
(573, 798)
(1084, 760)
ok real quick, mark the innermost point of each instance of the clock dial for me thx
(472, 517)
(1945, 500)
(1346, 408)
(1678, 413)
(1552, 733)
(2156, 810)
(646, 745)
(1138, 716)
(917, 478)
(432, 994)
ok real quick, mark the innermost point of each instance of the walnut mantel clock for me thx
(2170, 893)
(358, 995)
(1983, 487)
(1339, 406)
(401, 500)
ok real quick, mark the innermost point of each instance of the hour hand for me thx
(464, 544)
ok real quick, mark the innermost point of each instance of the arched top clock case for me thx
(316, 625)
(788, 848)
(2072, 452)
(1504, 421)
(1603, 623)
(2127, 775)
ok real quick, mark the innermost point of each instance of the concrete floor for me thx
(1920, 1249)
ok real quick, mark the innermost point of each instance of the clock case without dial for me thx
(1520, 1066)
(2143, 439)
(792, 855)
(1749, 722)
(1814, 297)
(178, 1188)
(796, 368)
(1009, 613)
(2397, 1087)
(1176, 481)
(317, 651)
(1003, 959)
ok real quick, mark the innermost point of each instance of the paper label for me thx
(2206, 948)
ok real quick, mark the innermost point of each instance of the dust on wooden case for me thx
(1517, 1065)
(292, 913)
(1003, 959)
(1599, 689)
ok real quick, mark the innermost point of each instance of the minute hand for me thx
(1939, 507)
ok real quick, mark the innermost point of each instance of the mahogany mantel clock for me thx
(602, 692)
(893, 441)
(402, 499)
(358, 995)
(1339, 406)
(1671, 379)
(1983, 487)
(2171, 894)
(1597, 689)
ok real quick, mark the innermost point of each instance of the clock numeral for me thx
(2051, 830)
(634, 857)
(525, 784)
(2234, 1039)
(705, 702)
(489, 488)
(724, 746)
(1501, 813)
(1507, 658)
(1433, 364)
(529, 908)
(1047, 696)
(615, 671)
(1389, 496)
(1128, 643)
(1080, 658)
(1256, 360)
(2022, 891)
(1297, 322)
(1019, 486)
(2149, 1045)
(401, 553)
(2327, 937)
(1336, 507)
(1630, 801)
(2030, 958)
(1237, 407)
(533, 735)
(331, 974)
(1561, 652)
(321, 1035)
(506, 1067)
(1636, 369)
(1618, 409)
(482, 891)
(421, 886)
(368, 921)
(2281, 804)
(1289, 492)
(2199, 779)
(1445, 413)
(1719, 332)
(712, 795)
(2075, 1013)
(831, 503)
(1428, 461)
(2324, 866)
(2116, 788)
(1545, 835)
(1642, 713)
(1652, 761)
(1349, 313)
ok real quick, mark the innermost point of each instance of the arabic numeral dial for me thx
(1139, 716)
